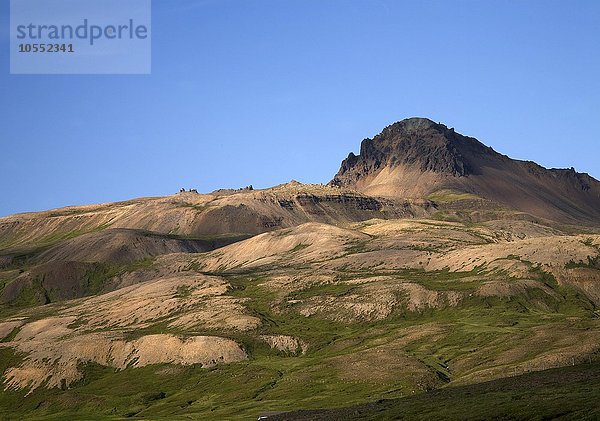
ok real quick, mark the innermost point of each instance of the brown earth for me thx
(416, 157)
(430, 260)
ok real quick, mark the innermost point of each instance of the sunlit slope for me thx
(197, 215)
(311, 316)
(417, 157)
(77, 251)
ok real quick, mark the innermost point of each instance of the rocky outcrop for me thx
(416, 157)
(285, 344)
(415, 142)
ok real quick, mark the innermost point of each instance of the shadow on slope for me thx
(84, 265)
(562, 393)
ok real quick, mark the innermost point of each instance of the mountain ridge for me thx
(308, 295)
(416, 156)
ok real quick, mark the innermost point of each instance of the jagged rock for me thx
(416, 157)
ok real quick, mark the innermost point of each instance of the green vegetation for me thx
(431, 348)
(12, 334)
(334, 290)
(592, 263)
(183, 291)
(198, 208)
(357, 247)
(485, 328)
(70, 212)
(57, 236)
(563, 393)
(96, 278)
(446, 196)
(269, 381)
(92, 281)
(442, 280)
(299, 247)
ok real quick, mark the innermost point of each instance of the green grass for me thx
(564, 393)
(335, 290)
(446, 196)
(299, 247)
(24, 253)
(442, 280)
(67, 235)
(269, 381)
(196, 207)
(481, 327)
(93, 282)
(70, 212)
(592, 263)
(357, 247)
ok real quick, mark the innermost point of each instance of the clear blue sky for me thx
(261, 92)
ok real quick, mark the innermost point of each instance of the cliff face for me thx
(416, 141)
(416, 157)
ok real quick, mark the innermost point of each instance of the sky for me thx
(265, 91)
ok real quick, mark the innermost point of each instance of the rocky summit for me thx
(417, 157)
(432, 277)
(415, 142)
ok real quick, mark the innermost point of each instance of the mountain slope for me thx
(205, 215)
(77, 251)
(563, 393)
(308, 317)
(417, 157)
(310, 296)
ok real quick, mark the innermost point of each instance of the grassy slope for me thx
(563, 393)
(272, 381)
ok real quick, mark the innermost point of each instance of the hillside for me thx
(417, 157)
(432, 268)
(201, 215)
(75, 251)
(309, 317)
(563, 393)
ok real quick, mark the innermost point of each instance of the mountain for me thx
(212, 215)
(61, 253)
(429, 266)
(417, 157)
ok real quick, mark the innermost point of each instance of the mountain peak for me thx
(415, 157)
(416, 142)
(418, 123)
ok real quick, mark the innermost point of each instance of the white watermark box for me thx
(80, 36)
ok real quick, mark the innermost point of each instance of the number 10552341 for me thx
(46, 48)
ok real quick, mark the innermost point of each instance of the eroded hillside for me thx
(430, 262)
(315, 315)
